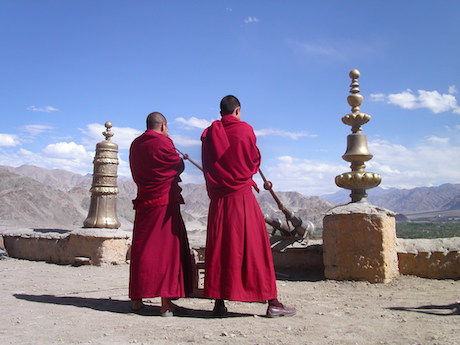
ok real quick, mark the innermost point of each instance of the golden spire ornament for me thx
(103, 207)
(357, 152)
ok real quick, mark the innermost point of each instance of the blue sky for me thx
(67, 67)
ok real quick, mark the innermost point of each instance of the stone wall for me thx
(74, 247)
(435, 258)
(427, 258)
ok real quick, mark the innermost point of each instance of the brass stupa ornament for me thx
(357, 180)
(103, 207)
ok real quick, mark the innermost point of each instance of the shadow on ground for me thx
(46, 231)
(441, 310)
(119, 306)
(313, 275)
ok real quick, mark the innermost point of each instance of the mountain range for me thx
(421, 203)
(36, 197)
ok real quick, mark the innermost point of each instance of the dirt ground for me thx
(51, 304)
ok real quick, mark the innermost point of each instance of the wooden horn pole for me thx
(186, 157)
(269, 186)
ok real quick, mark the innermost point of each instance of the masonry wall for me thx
(434, 258)
(426, 258)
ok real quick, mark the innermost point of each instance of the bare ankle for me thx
(136, 304)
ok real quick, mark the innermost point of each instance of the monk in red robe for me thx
(160, 255)
(238, 257)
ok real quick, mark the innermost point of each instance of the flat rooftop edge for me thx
(60, 233)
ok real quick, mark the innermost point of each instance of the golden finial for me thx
(357, 180)
(356, 118)
(108, 130)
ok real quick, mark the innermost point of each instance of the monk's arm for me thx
(173, 164)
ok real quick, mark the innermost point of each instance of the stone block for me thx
(98, 246)
(434, 258)
(359, 243)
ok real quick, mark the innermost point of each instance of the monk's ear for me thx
(164, 128)
(238, 112)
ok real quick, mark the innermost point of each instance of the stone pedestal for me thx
(359, 243)
(75, 247)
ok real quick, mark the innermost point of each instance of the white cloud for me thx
(435, 139)
(436, 102)
(180, 140)
(286, 159)
(432, 162)
(377, 97)
(451, 128)
(66, 150)
(431, 100)
(25, 152)
(282, 133)
(70, 155)
(123, 166)
(9, 140)
(15, 159)
(191, 178)
(123, 136)
(405, 99)
(36, 129)
(303, 175)
(66, 156)
(194, 122)
(46, 109)
(250, 20)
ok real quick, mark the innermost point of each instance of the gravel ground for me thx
(52, 304)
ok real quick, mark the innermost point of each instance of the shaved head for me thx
(228, 104)
(155, 120)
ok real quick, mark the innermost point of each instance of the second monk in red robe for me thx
(160, 255)
(238, 257)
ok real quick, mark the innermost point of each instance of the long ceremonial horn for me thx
(269, 186)
(186, 157)
(300, 227)
(290, 217)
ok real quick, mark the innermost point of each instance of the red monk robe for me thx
(238, 258)
(160, 255)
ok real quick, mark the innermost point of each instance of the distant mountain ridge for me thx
(25, 201)
(57, 178)
(409, 201)
(36, 197)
